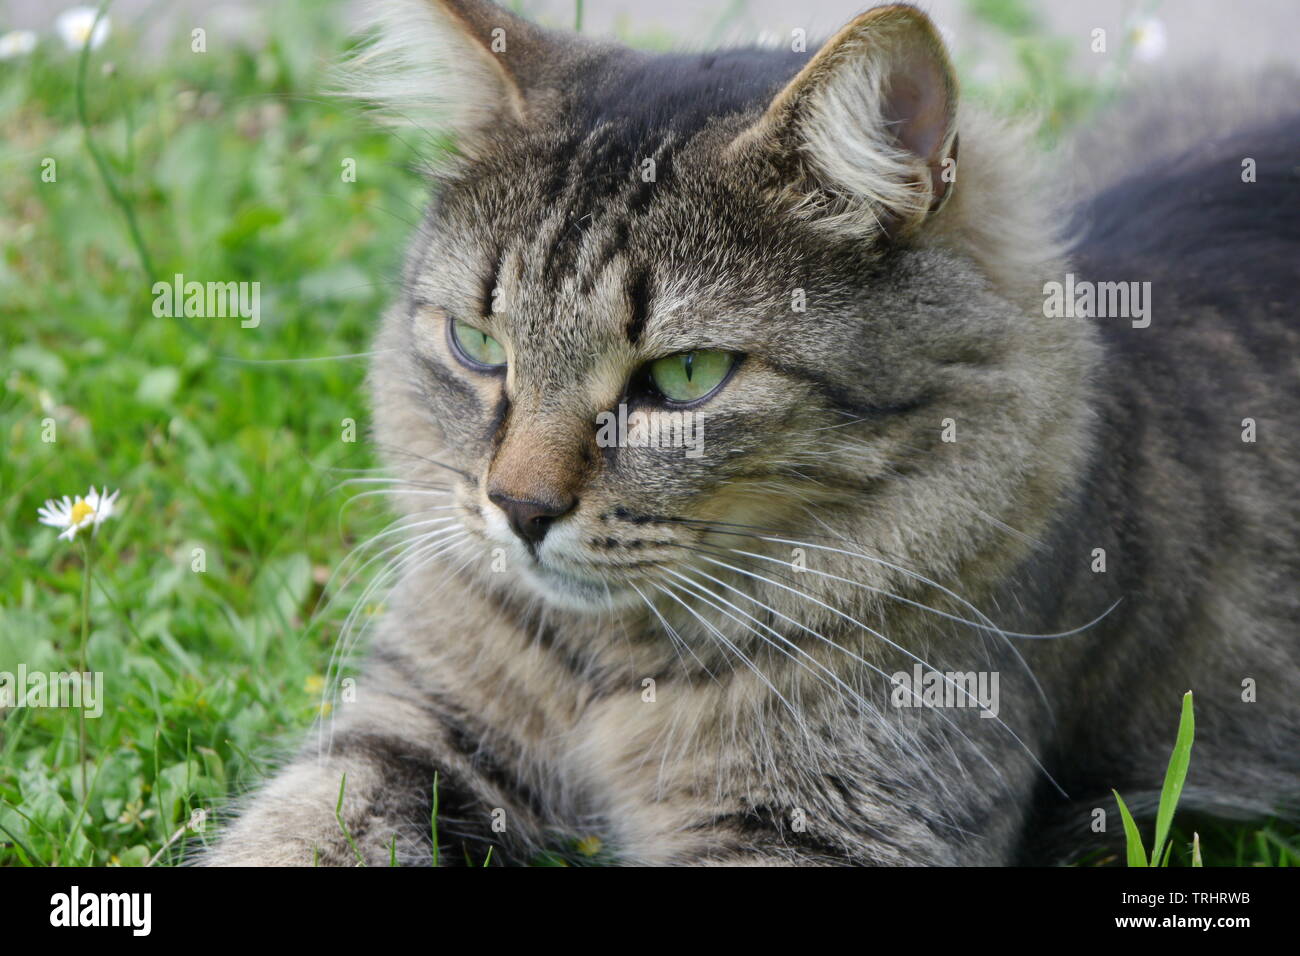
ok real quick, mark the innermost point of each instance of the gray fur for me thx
(772, 737)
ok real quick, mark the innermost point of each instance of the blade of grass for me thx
(1261, 844)
(338, 815)
(1175, 776)
(106, 176)
(1288, 853)
(1132, 836)
(101, 164)
(22, 847)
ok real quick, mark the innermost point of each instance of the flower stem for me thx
(87, 561)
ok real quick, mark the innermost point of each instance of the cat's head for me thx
(804, 272)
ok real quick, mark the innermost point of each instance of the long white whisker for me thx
(844, 650)
(420, 556)
(898, 647)
(1042, 694)
(399, 492)
(678, 640)
(336, 589)
(412, 550)
(735, 650)
(988, 625)
(858, 698)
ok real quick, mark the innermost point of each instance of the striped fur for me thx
(694, 665)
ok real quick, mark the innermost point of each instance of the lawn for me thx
(233, 446)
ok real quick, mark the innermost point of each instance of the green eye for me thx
(689, 376)
(478, 347)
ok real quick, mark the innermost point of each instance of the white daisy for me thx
(1149, 39)
(17, 43)
(88, 512)
(75, 24)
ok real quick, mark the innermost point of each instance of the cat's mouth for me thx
(578, 591)
(561, 573)
(575, 566)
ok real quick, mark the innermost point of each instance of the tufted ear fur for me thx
(457, 68)
(863, 132)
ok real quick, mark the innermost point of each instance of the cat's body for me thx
(691, 659)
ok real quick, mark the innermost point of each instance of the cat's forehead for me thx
(585, 248)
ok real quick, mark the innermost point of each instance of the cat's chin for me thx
(578, 593)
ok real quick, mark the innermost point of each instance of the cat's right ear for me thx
(864, 137)
(455, 69)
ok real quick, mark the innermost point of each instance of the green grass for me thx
(230, 162)
(1270, 845)
(1175, 777)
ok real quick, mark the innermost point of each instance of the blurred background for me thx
(217, 594)
(1195, 31)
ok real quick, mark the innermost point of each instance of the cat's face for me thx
(590, 299)
(633, 347)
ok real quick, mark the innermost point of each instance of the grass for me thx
(229, 449)
(232, 164)
(1175, 777)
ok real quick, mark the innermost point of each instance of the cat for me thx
(946, 561)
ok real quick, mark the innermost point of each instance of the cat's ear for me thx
(456, 68)
(865, 135)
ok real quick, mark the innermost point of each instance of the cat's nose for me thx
(531, 519)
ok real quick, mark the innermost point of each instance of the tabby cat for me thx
(932, 564)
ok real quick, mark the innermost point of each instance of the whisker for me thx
(352, 574)
(389, 479)
(406, 548)
(738, 653)
(394, 492)
(766, 534)
(952, 594)
(426, 549)
(864, 705)
(236, 360)
(395, 450)
(874, 668)
(1042, 694)
(905, 651)
(678, 641)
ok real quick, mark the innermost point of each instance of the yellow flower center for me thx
(80, 512)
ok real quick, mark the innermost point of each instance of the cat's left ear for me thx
(463, 69)
(865, 135)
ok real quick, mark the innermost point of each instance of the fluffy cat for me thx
(914, 484)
